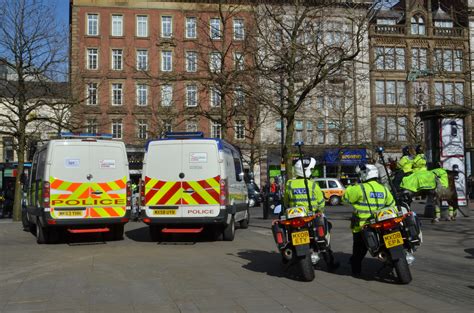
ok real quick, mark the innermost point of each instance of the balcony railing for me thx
(389, 29)
(448, 32)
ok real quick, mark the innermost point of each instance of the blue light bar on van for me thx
(85, 135)
(184, 135)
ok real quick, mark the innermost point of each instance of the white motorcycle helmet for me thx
(308, 169)
(367, 171)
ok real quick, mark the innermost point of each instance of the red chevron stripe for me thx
(56, 183)
(204, 184)
(120, 183)
(170, 193)
(105, 187)
(111, 212)
(151, 193)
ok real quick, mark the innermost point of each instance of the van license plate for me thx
(164, 212)
(69, 213)
(300, 238)
(393, 239)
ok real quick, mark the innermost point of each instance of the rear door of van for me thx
(182, 178)
(88, 179)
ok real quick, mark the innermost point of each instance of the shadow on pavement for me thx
(142, 234)
(471, 252)
(372, 269)
(268, 262)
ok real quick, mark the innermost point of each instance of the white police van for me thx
(190, 182)
(79, 183)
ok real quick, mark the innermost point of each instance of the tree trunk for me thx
(287, 147)
(18, 185)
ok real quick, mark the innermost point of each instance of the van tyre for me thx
(155, 233)
(335, 200)
(244, 224)
(118, 231)
(42, 234)
(403, 271)
(229, 230)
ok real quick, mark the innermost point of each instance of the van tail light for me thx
(224, 195)
(142, 192)
(129, 194)
(46, 194)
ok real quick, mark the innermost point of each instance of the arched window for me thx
(417, 25)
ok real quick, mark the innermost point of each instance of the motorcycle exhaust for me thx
(382, 256)
(288, 254)
(410, 258)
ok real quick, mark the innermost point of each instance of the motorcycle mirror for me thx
(299, 143)
(277, 209)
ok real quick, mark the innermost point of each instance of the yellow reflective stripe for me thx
(203, 193)
(167, 186)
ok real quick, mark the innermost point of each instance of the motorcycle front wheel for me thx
(403, 271)
(306, 267)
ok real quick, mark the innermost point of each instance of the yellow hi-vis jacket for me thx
(421, 180)
(419, 162)
(406, 164)
(367, 199)
(295, 195)
(442, 175)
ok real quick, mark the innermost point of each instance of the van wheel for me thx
(155, 233)
(118, 231)
(244, 224)
(335, 200)
(229, 230)
(42, 234)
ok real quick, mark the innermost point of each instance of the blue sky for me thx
(62, 10)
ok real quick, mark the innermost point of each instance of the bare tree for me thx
(302, 44)
(33, 43)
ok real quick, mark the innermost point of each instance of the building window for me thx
(142, 129)
(142, 60)
(240, 129)
(92, 93)
(91, 127)
(239, 32)
(386, 21)
(117, 94)
(191, 28)
(191, 61)
(417, 25)
(92, 58)
(117, 128)
(191, 96)
(390, 92)
(215, 62)
(418, 58)
(166, 26)
(298, 130)
(448, 60)
(117, 25)
(390, 58)
(117, 59)
(391, 128)
(239, 96)
(166, 61)
(215, 97)
(309, 132)
(215, 28)
(166, 95)
(444, 24)
(278, 126)
(239, 61)
(215, 130)
(449, 93)
(92, 24)
(320, 103)
(168, 126)
(191, 126)
(142, 94)
(142, 26)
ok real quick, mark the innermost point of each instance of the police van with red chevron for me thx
(79, 184)
(190, 182)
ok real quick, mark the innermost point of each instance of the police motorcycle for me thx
(393, 235)
(301, 235)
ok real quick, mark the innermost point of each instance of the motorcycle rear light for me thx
(46, 194)
(389, 224)
(320, 231)
(298, 222)
(129, 194)
(279, 238)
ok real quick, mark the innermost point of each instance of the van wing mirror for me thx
(240, 177)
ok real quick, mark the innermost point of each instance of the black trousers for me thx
(359, 250)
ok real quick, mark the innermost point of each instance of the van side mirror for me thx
(240, 177)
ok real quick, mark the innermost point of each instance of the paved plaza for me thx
(189, 274)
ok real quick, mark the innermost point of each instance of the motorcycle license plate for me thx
(300, 238)
(393, 239)
(164, 212)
